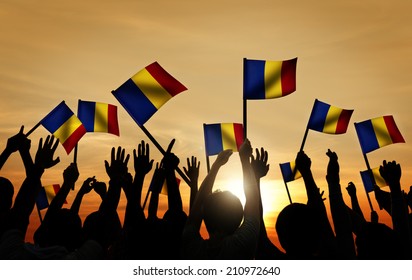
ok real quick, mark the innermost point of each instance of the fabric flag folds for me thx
(148, 90)
(268, 79)
(46, 195)
(64, 125)
(288, 170)
(377, 133)
(98, 117)
(329, 119)
(222, 136)
(368, 183)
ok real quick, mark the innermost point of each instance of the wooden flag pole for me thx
(372, 177)
(163, 152)
(33, 129)
(244, 104)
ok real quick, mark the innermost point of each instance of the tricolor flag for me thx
(46, 195)
(377, 133)
(368, 182)
(329, 119)
(268, 79)
(64, 125)
(144, 93)
(98, 117)
(288, 171)
(222, 136)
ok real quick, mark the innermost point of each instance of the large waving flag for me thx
(98, 117)
(329, 119)
(368, 183)
(64, 125)
(46, 195)
(268, 79)
(377, 133)
(144, 93)
(288, 171)
(222, 136)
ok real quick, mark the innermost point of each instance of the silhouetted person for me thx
(222, 212)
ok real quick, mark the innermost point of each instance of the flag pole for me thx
(287, 190)
(372, 178)
(33, 129)
(150, 136)
(38, 211)
(145, 200)
(207, 157)
(75, 154)
(244, 104)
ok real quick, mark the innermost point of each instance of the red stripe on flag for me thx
(56, 188)
(343, 121)
(288, 76)
(71, 142)
(167, 81)
(112, 122)
(393, 130)
(238, 130)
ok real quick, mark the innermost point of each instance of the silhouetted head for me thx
(62, 228)
(377, 241)
(6, 194)
(102, 227)
(222, 212)
(298, 231)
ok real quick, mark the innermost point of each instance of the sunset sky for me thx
(351, 54)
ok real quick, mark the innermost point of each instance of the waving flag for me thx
(46, 195)
(329, 119)
(98, 117)
(222, 136)
(148, 90)
(65, 126)
(268, 79)
(368, 183)
(287, 169)
(377, 133)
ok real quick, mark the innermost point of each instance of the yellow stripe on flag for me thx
(228, 137)
(100, 117)
(378, 178)
(50, 194)
(151, 88)
(332, 119)
(297, 173)
(273, 79)
(381, 132)
(67, 129)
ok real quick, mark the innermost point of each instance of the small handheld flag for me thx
(46, 195)
(222, 136)
(377, 133)
(289, 171)
(329, 119)
(148, 90)
(64, 125)
(98, 117)
(369, 183)
(268, 79)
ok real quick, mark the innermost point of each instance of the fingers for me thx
(169, 148)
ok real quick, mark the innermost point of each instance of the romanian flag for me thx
(46, 195)
(98, 117)
(144, 93)
(64, 125)
(222, 136)
(287, 169)
(268, 79)
(378, 132)
(329, 119)
(368, 183)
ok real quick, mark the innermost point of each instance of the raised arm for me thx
(85, 189)
(340, 215)
(192, 172)
(195, 216)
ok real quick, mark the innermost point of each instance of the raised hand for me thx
(351, 189)
(88, 185)
(333, 168)
(391, 172)
(17, 142)
(71, 174)
(192, 170)
(260, 163)
(142, 162)
(303, 163)
(45, 153)
(118, 164)
(245, 150)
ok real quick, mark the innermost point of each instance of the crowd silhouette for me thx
(235, 231)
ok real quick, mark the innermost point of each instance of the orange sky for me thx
(351, 54)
